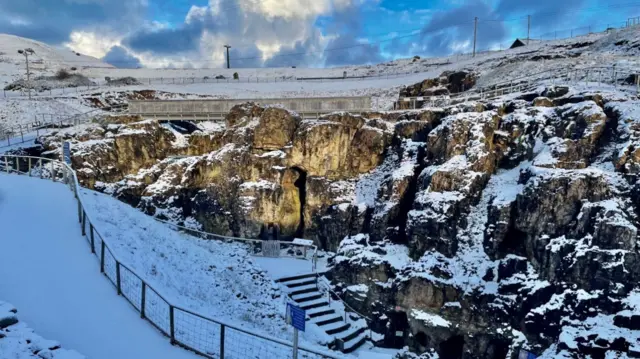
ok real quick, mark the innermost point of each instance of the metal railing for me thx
(290, 249)
(30, 131)
(208, 337)
(611, 75)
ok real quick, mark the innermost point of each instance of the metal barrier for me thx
(30, 131)
(208, 337)
(258, 246)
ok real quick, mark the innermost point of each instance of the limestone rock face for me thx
(471, 231)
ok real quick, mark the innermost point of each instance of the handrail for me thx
(36, 126)
(240, 239)
(327, 287)
(70, 178)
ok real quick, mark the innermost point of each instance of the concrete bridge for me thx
(216, 110)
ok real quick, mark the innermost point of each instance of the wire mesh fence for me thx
(206, 336)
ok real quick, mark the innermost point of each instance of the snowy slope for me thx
(48, 273)
(46, 60)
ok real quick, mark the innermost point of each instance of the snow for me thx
(81, 309)
(217, 279)
(429, 318)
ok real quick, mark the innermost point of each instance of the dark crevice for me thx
(406, 203)
(301, 184)
(452, 348)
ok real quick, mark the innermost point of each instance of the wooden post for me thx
(102, 257)
(93, 242)
(118, 278)
(221, 341)
(172, 327)
(143, 299)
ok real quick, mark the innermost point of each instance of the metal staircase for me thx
(330, 316)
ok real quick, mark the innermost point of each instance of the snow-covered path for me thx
(47, 271)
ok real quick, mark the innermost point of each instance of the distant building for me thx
(524, 42)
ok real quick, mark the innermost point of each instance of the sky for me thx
(303, 33)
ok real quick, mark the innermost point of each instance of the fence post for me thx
(93, 242)
(79, 212)
(40, 165)
(118, 278)
(221, 341)
(84, 223)
(6, 164)
(29, 166)
(143, 299)
(102, 257)
(172, 327)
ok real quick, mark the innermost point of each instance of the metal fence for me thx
(217, 109)
(46, 123)
(208, 337)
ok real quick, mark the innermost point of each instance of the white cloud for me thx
(91, 43)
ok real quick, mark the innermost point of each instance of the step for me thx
(302, 290)
(317, 303)
(336, 328)
(327, 319)
(319, 312)
(299, 283)
(355, 343)
(302, 298)
(298, 277)
(353, 334)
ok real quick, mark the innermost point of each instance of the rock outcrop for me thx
(473, 231)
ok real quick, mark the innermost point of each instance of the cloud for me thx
(119, 57)
(53, 21)
(452, 31)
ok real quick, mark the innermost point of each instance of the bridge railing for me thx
(211, 338)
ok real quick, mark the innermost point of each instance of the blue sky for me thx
(191, 33)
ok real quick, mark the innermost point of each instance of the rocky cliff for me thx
(471, 231)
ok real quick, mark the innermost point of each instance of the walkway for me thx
(47, 272)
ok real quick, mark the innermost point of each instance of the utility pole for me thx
(528, 29)
(475, 35)
(26, 52)
(228, 63)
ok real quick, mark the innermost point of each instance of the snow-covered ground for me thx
(219, 280)
(47, 272)
(18, 341)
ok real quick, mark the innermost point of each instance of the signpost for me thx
(296, 317)
(66, 152)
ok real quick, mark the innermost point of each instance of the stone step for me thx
(319, 312)
(302, 298)
(299, 283)
(296, 278)
(310, 288)
(336, 328)
(355, 343)
(353, 334)
(327, 319)
(317, 303)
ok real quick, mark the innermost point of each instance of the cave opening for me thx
(452, 348)
(301, 184)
